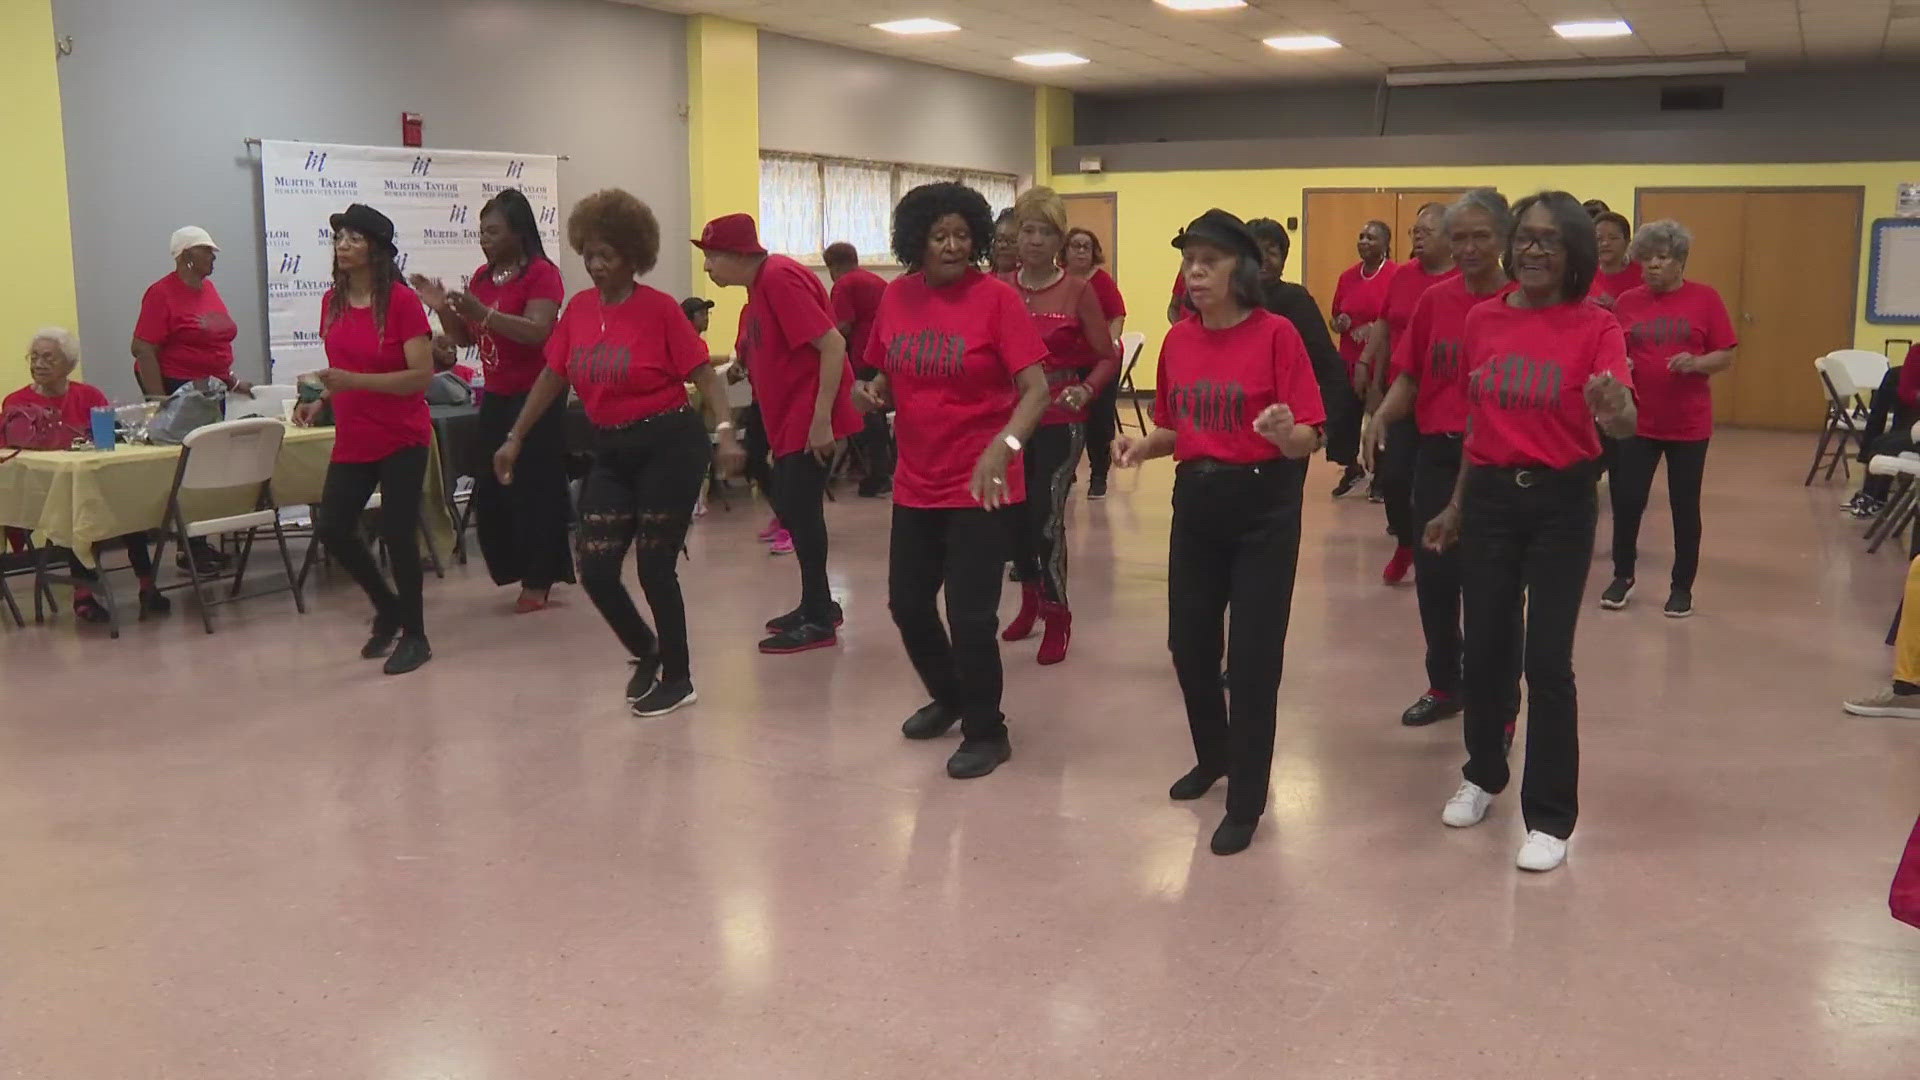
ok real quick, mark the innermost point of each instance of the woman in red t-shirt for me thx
(1678, 338)
(1085, 259)
(380, 360)
(959, 362)
(1237, 405)
(1080, 363)
(508, 310)
(184, 332)
(1542, 365)
(1619, 271)
(628, 351)
(1359, 303)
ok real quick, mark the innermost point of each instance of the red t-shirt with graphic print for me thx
(1690, 319)
(629, 360)
(1429, 352)
(787, 311)
(1212, 384)
(1527, 372)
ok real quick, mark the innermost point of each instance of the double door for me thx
(1333, 220)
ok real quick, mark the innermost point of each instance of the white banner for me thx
(433, 196)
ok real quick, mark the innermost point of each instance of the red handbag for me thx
(32, 427)
(1905, 898)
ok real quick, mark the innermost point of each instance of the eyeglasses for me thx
(1548, 243)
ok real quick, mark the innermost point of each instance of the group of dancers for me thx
(1503, 371)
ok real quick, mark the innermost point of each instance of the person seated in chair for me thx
(51, 358)
(1888, 430)
(1900, 699)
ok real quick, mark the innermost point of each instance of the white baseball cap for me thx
(191, 236)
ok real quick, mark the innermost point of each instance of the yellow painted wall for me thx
(1153, 207)
(36, 288)
(723, 146)
(1052, 127)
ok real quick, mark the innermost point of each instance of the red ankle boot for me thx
(1397, 567)
(1059, 620)
(1021, 627)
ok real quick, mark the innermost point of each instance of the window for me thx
(808, 202)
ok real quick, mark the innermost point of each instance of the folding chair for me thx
(18, 564)
(265, 401)
(1900, 506)
(230, 454)
(1847, 376)
(374, 503)
(1131, 346)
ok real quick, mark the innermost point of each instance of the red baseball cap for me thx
(734, 233)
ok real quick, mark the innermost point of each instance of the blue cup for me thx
(103, 428)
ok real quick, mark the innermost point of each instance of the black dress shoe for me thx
(1193, 785)
(380, 642)
(1430, 709)
(978, 757)
(154, 602)
(932, 721)
(1233, 835)
(409, 654)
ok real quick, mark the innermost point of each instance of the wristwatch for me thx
(1012, 441)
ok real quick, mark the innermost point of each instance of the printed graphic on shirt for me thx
(928, 353)
(1517, 382)
(1209, 405)
(1443, 360)
(600, 363)
(1660, 330)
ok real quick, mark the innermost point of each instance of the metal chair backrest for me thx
(231, 453)
(1864, 368)
(1132, 344)
(1837, 381)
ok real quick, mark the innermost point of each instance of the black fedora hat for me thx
(1221, 229)
(366, 221)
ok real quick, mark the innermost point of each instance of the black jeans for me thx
(1103, 423)
(1234, 548)
(1394, 477)
(1526, 545)
(1436, 579)
(401, 477)
(799, 497)
(645, 479)
(1883, 406)
(875, 440)
(753, 439)
(961, 551)
(1633, 481)
(1040, 544)
(522, 527)
(1343, 422)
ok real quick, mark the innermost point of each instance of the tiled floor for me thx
(253, 856)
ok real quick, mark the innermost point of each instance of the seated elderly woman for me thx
(1901, 698)
(51, 358)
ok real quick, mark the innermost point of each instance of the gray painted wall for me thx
(823, 99)
(158, 96)
(1757, 99)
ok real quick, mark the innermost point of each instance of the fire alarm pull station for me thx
(410, 128)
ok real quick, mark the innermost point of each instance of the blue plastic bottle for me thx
(103, 429)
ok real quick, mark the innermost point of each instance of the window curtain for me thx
(791, 205)
(859, 206)
(999, 190)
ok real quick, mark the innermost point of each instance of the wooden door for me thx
(1797, 301)
(1330, 225)
(1099, 214)
(1718, 221)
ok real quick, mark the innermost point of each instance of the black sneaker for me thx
(802, 638)
(1196, 783)
(380, 642)
(930, 722)
(640, 683)
(1233, 835)
(798, 617)
(1865, 507)
(1859, 499)
(210, 561)
(666, 697)
(1348, 480)
(1432, 708)
(90, 609)
(412, 651)
(1679, 604)
(154, 602)
(1097, 488)
(875, 491)
(1617, 594)
(978, 757)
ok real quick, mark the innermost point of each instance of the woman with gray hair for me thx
(1678, 338)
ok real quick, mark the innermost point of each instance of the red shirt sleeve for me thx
(406, 315)
(543, 282)
(1162, 411)
(1716, 326)
(556, 347)
(1406, 354)
(89, 397)
(876, 355)
(152, 325)
(794, 308)
(1111, 303)
(1093, 319)
(1020, 343)
(685, 351)
(840, 299)
(1293, 376)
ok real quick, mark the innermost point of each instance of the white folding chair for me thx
(266, 401)
(1132, 344)
(1900, 508)
(230, 454)
(1845, 411)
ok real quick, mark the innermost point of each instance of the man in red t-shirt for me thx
(797, 359)
(856, 302)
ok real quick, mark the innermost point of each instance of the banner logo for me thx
(421, 165)
(515, 169)
(549, 215)
(316, 161)
(457, 214)
(290, 263)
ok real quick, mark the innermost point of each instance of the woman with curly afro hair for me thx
(959, 361)
(628, 350)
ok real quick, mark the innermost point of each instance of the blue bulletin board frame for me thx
(1882, 228)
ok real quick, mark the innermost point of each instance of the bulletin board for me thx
(1893, 276)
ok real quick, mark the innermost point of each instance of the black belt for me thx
(1529, 476)
(621, 429)
(1214, 467)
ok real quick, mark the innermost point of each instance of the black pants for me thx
(1103, 423)
(1633, 481)
(640, 493)
(1524, 554)
(961, 551)
(401, 477)
(1234, 548)
(1436, 580)
(1343, 422)
(875, 440)
(1040, 544)
(523, 526)
(1394, 477)
(799, 497)
(1882, 407)
(1897, 441)
(139, 558)
(753, 439)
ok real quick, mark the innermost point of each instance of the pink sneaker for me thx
(771, 532)
(782, 543)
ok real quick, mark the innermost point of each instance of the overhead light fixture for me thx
(1627, 69)
(916, 26)
(1301, 43)
(1596, 28)
(1050, 59)
(1201, 5)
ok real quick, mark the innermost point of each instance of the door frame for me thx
(1112, 199)
(1858, 191)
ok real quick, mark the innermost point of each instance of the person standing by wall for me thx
(856, 300)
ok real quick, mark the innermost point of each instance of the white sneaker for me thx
(1468, 807)
(1541, 853)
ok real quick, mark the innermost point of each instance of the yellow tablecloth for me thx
(79, 498)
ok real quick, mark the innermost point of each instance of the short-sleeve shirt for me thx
(950, 355)
(189, 328)
(786, 313)
(629, 360)
(1108, 290)
(1431, 350)
(1614, 286)
(75, 406)
(370, 425)
(1527, 372)
(1363, 300)
(856, 300)
(1063, 313)
(1212, 384)
(1404, 291)
(512, 366)
(1690, 319)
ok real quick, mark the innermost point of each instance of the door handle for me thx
(1746, 316)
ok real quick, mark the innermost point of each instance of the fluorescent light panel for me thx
(1201, 5)
(1050, 59)
(916, 26)
(1595, 28)
(1301, 43)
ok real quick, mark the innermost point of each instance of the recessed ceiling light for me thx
(1201, 5)
(1301, 43)
(1050, 59)
(1598, 28)
(915, 26)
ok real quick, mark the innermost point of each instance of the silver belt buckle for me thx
(1523, 478)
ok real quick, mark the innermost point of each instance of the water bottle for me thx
(103, 427)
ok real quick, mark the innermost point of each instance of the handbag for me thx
(35, 427)
(1905, 896)
(193, 406)
(449, 389)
